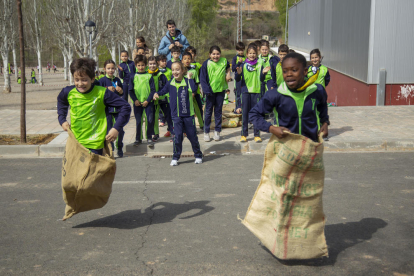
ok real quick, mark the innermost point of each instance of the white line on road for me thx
(142, 182)
(257, 180)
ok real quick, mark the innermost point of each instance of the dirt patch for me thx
(32, 139)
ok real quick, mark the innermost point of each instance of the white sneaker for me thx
(174, 163)
(198, 161)
(207, 137)
(216, 136)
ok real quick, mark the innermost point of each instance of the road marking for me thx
(142, 182)
(254, 180)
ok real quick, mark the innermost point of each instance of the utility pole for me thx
(287, 7)
(239, 20)
(22, 76)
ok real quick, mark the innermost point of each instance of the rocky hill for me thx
(255, 5)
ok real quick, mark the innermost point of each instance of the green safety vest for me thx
(322, 73)
(88, 117)
(279, 74)
(190, 95)
(252, 78)
(33, 74)
(19, 81)
(198, 67)
(216, 73)
(226, 99)
(141, 86)
(156, 83)
(167, 73)
(195, 78)
(299, 99)
(266, 62)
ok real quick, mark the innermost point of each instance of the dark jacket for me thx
(128, 71)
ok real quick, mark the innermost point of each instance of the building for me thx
(368, 46)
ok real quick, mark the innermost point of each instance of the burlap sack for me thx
(86, 177)
(286, 212)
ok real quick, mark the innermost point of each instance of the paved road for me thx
(183, 220)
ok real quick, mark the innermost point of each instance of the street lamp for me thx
(90, 27)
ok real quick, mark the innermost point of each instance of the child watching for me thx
(237, 60)
(194, 63)
(214, 76)
(192, 74)
(250, 74)
(175, 56)
(182, 112)
(126, 71)
(276, 69)
(301, 107)
(33, 80)
(159, 80)
(113, 84)
(165, 112)
(141, 88)
(268, 60)
(318, 69)
(88, 104)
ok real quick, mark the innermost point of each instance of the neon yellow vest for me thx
(87, 117)
(217, 75)
(279, 74)
(141, 86)
(322, 73)
(266, 62)
(252, 79)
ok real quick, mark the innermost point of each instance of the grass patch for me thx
(32, 139)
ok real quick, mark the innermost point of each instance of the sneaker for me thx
(198, 161)
(137, 142)
(156, 137)
(243, 139)
(216, 136)
(150, 143)
(257, 139)
(207, 137)
(168, 134)
(120, 153)
(174, 163)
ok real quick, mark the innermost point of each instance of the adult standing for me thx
(140, 43)
(174, 37)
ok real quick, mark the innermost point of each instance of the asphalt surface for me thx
(182, 220)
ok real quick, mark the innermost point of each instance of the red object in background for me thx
(347, 91)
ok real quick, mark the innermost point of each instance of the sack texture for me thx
(86, 177)
(286, 212)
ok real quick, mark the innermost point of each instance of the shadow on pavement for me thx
(340, 237)
(161, 212)
(338, 131)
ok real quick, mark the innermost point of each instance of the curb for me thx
(208, 148)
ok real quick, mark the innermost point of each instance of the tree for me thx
(281, 7)
(5, 27)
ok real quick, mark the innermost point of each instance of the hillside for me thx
(255, 5)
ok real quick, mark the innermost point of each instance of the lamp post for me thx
(287, 7)
(90, 27)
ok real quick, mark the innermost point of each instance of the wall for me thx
(392, 41)
(340, 29)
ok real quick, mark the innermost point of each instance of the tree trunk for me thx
(70, 57)
(23, 84)
(7, 87)
(39, 62)
(16, 71)
(65, 66)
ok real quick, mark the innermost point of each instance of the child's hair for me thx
(152, 58)
(187, 54)
(215, 47)
(175, 49)
(162, 57)
(291, 51)
(125, 51)
(240, 46)
(83, 66)
(109, 61)
(192, 49)
(181, 65)
(283, 48)
(140, 58)
(142, 39)
(102, 73)
(315, 51)
(140, 48)
(258, 43)
(265, 43)
(253, 47)
(296, 56)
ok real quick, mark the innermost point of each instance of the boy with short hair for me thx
(237, 60)
(300, 107)
(194, 64)
(175, 53)
(88, 107)
(276, 68)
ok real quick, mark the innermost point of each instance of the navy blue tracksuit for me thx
(237, 89)
(182, 113)
(112, 114)
(128, 72)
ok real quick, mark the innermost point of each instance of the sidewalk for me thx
(352, 129)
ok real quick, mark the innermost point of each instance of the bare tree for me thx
(5, 27)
